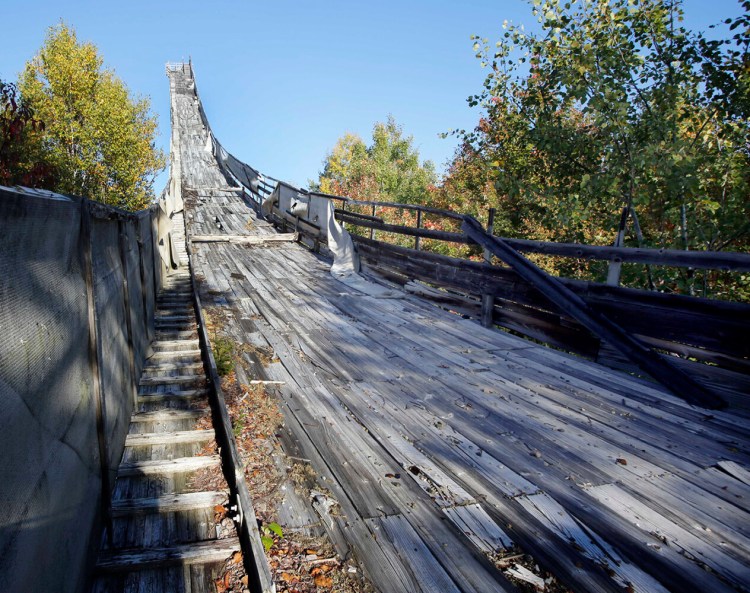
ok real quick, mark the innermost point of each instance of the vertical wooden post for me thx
(372, 231)
(490, 229)
(126, 301)
(488, 300)
(343, 207)
(99, 406)
(615, 267)
(418, 240)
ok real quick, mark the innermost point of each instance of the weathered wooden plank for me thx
(247, 239)
(168, 438)
(482, 531)
(169, 503)
(668, 534)
(427, 572)
(736, 471)
(172, 380)
(166, 466)
(167, 415)
(197, 553)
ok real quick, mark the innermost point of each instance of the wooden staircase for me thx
(165, 537)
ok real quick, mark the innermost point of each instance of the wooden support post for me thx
(490, 231)
(99, 406)
(418, 240)
(128, 319)
(615, 266)
(372, 230)
(488, 300)
(673, 378)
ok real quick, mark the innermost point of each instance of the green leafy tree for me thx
(98, 139)
(613, 104)
(388, 170)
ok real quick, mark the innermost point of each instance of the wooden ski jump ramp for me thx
(442, 446)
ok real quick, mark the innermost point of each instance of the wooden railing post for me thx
(615, 266)
(488, 300)
(372, 230)
(418, 240)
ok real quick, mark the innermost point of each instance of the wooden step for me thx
(175, 354)
(182, 298)
(168, 415)
(176, 345)
(147, 558)
(152, 396)
(173, 366)
(183, 311)
(185, 304)
(172, 315)
(141, 439)
(170, 503)
(172, 380)
(164, 324)
(175, 335)
(167, 466)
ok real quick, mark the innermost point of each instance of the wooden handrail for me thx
(708, 260)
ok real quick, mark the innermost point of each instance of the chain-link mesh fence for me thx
(50, 386)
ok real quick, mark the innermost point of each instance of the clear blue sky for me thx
(282, 80)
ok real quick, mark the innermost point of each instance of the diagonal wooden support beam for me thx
(651, 362)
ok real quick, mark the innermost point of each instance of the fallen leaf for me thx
(244, 581)
(237, 557)
(323, 581)
(622, 461)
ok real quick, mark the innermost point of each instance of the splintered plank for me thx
(736, 471)
(572, 532)
(663, 533)
(168, 504)
(203, 552)
(172, 466)
(474, 522)
(168, 438)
